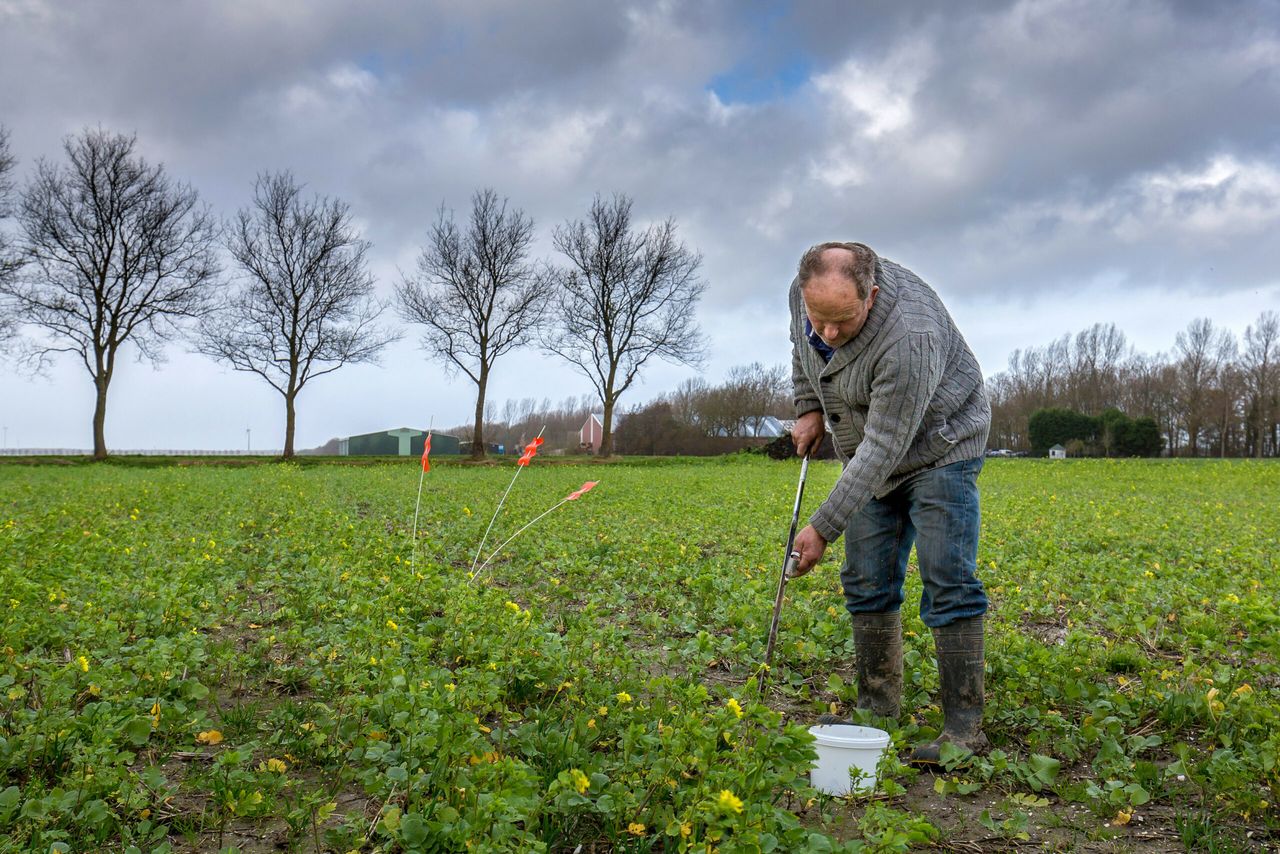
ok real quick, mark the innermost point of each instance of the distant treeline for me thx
(1211, 395)
(698, 418)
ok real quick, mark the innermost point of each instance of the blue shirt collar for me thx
(815, 341)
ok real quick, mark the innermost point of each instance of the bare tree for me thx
(759, 391)
(305, 305)
(687, 399)
(1260, 365)
(626, 296)
(478, 293)
(118, 253)
(9, 262)
(1201, 351)
(1095, 365)
(738, 406)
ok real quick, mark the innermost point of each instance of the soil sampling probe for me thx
(789, 560)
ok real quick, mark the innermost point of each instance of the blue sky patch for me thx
(749, 83)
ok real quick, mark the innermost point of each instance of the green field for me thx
(196, 658)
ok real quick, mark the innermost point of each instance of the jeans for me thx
(938, 511)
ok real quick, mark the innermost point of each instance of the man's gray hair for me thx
(858, 267)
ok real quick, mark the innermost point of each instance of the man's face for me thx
(835, 311)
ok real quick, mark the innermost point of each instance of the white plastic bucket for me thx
(846, 753)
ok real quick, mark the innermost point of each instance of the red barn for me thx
(591, 433)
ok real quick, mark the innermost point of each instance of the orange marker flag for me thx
(585, 488)
(530, 451)
(426, 467)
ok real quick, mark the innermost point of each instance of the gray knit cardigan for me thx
(904, 395)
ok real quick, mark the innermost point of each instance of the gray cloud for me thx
(1008, 151)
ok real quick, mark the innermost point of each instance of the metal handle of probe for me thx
(793, 561)
(788, 566)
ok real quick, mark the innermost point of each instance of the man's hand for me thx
(808, 432)
(810, 545)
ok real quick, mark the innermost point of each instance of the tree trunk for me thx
(1222, 438)
(100, 382)
(290, 420)
(477, 433)
(1260, 439)
(606, 432)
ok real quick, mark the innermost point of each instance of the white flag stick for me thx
(498, 510)
(586, 487)
(422, 474)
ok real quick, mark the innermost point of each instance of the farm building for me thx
(403, 442)
(591, 433)
(758, 427)
(1057, 452)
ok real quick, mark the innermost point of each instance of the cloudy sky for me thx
(1045, 165)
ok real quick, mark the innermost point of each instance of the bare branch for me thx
(305, 304)
(625, 296)
(477, 293)
(9, 258)
(115, 252)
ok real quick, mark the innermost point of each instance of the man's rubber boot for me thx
(877, 650)
(960, 670)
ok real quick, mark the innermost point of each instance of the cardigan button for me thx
(835, 417)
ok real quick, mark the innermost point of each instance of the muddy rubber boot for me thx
(960, 669)
(877, 647)
(877, 650)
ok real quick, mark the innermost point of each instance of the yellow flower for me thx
(1122, 817)
(686, 828)
(635, 828)
(1215, 705)
(276, 765)
(1244, 688)
(602, 711)
(466, 510)
(84, 663)
(734, 707)
(210, 737)
(729, 801)
(580, 781)
(623, 697)
(591, 724)
(391, 624)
